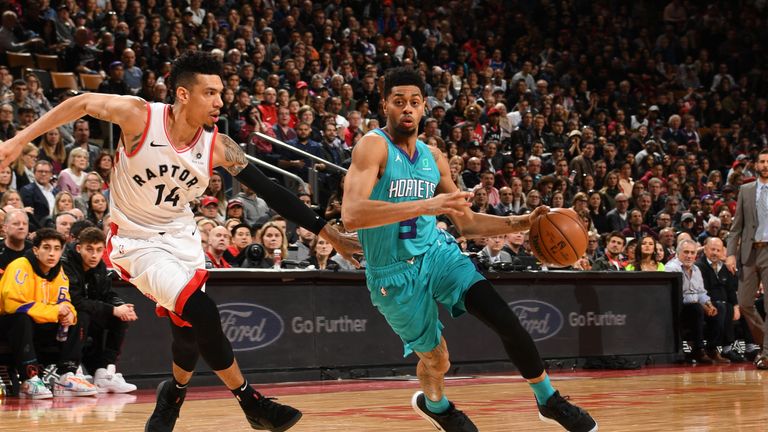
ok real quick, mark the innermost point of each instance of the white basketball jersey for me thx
(151, 188)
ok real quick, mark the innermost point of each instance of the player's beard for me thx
(208, 128)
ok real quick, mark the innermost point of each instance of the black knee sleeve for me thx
(202, 313)
(486, 304)
(184, 347)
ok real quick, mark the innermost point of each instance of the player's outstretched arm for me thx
(359, 211)
(473, 225)
(228, 154)
(129, 112)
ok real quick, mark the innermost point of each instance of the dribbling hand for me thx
(451, 204)
(346, 244)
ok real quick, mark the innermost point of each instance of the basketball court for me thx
(672, 398)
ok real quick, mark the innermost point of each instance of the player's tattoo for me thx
(517, 223)
(233, 154)
(133, 143)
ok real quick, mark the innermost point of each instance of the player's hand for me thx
(9, 152)
(346, 244)
(537, 212)
(451, 204)
(730, 264)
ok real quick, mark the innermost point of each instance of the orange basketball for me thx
(559, 238)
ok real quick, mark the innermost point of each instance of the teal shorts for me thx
(407, 292)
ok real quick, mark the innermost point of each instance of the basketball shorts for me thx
(167, 268)
(408, 292)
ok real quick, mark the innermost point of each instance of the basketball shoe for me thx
(109, 381)
(35, 388)
(572, 418)
(263, 413)
(452, 420)
(169, 400)
(70, 384)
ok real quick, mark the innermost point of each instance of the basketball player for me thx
(165, 160)
(395, 187)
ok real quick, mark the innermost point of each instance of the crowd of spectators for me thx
(643, 118)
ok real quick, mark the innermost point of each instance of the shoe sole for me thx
(550, 421)
(422, 414)
(67, 393)
(36, 397)
(282, 428)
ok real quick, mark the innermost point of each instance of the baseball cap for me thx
(573, 133)
(234, 202)
(208, 200)
(737, 163)
(687, 217)
(654, 108)
(115, 64)
(493, 111)
(301, 85)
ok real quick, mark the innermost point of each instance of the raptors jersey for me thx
(151, 187)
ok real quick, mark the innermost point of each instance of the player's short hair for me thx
(48, 234)
(403, 76)
(91, 235)
(192, 63)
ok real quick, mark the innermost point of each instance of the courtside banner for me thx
(308, 319)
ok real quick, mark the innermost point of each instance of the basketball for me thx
(558, 238)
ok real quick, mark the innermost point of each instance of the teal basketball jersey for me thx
(404, 179)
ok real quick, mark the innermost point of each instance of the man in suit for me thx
(618, 217)
(748, 243)
(41, 194)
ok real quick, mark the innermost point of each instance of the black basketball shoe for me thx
(169, 400)
(452, 420)
(572, 418)
(263, 413)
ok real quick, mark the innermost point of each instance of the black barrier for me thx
(303, 320)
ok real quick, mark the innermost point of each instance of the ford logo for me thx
(541, 320)
(250, 326)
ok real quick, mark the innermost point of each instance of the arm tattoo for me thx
(234, 156)
(517, 223)
(134, 142)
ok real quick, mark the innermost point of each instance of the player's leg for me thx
(483, 302)
(171, 392)
(261, 412)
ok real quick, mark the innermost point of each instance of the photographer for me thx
(261, 254)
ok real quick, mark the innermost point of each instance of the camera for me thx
(254, 256)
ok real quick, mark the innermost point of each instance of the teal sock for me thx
(438, 407)
(543, 390)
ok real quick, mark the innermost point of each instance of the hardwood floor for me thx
(691, 399)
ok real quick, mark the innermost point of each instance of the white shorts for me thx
(167, 268)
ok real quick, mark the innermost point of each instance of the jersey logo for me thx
(426, 167)
(152, 144)
(397, 159)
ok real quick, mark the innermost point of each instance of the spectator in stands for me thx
(216, 189)
(494, 252)
(209, 208)
(98, 208)
(471, 175)
(268, 108)
(24, 167)
(636, 227)
(486, 183)
(721, 286)
(613, 259)
(63, 224)
(41, 194)
(597, 211)
(687, 221)
(15, 243)
(82, 134)
(618, 218)
(295, 163)
(92, 183)
(52, 149)
(321, 256)
(219, 240)
(104, 315)
(303, 247)
(36, 302)
(73, 176)
(133, 74)
(506, 204)
(697, 306)
(6, 180)
(104, 165)
(255, 210)
(712, 230)
(271, 237)
(646, 258)
(235, 209)
(7, 128)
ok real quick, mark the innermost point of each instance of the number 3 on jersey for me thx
(408, 229)
(172, 197)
